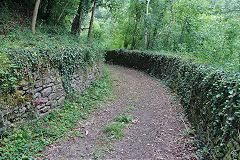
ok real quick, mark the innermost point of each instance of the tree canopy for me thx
(205, 29)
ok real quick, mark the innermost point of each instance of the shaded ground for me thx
(156, 131)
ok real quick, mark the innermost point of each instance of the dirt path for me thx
(156, 131)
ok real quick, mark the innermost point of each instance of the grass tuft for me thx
(115, 130)
(124, 119)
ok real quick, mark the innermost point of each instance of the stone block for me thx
(50, 84)
(61, 100)
(59, 94)
(37, 95)
(36, 76)
(38, 89)
(73, 85)
(38, 84)
(45, 109)
(39, 107)
(47, 80)
(6, 112)
(22, 110)
(52, 96)
(54, 104)
(49, 103)
(90, 77)
(46, 92)
(57, 87)
(28, 106)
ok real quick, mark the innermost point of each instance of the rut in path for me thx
(157, 131)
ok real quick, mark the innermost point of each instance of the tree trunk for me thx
(138, 15)
(92, 18)
(76, 25)
(34, 19)
(146, 27)
(183, 29)
(62, 12)
(157, 24)
(133, 45)
(172, 13)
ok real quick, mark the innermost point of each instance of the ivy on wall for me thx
(211, 97)
(19, 64)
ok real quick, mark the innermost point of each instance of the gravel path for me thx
(156, 131)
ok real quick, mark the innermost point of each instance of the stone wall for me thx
(46, 91)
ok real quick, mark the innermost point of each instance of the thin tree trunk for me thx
(76, 25)
(62, 13)
(133, 45)
(34, 19)
(92, 18)
(158, 22)
(137, 19)
(172, 13)
(146, 29)
(183, 29)
(79, 30)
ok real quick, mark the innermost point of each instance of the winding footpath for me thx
(156, 133)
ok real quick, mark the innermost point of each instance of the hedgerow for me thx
(211, 97)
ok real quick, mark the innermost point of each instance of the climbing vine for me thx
(210, 97)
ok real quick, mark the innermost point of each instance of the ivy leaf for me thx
(231, 91)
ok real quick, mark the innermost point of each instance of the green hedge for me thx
(210, 97)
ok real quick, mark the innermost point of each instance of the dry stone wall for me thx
(46, 91)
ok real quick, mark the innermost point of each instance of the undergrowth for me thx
(30, 139)
(22, 53)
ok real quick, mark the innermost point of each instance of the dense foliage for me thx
(211, 98)
(22, 53)
(205, 29)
